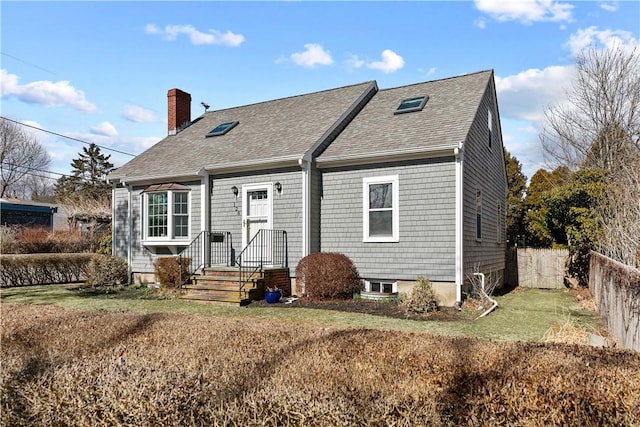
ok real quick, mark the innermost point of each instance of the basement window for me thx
(222, 128)
(411, 104)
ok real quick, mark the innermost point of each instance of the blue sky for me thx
(100, 71)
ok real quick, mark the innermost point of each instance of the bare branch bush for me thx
(621, 214)
(479, 292)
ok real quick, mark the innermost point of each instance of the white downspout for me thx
(459, 156)
(305, 165)
(130, 231)
(113, 217)
(205, 211)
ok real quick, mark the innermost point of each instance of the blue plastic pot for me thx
(272, 296)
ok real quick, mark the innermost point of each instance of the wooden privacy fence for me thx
(536, 268)
(616, 289)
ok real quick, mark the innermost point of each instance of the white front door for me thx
(256, 216)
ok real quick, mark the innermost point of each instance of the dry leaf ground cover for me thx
(70, 367)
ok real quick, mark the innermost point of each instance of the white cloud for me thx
(525, 11)
(138, 114)
(480, 23)
(428, 73)
(45, 93)
(171, 33)
(391, 62)
(592, 36)
(526, 95)
(104, 129)
(523, 100)
(312, 56)
(353, 61)
(609, 6)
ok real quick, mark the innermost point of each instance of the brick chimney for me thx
(179, 110)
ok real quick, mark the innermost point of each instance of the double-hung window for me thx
(166, 212)
(380, 206)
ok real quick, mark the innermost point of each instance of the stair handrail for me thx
(245, 270)
(243, 277)
(199, 252)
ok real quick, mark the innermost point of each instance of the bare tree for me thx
(600, 123)
(21, 155)
(621, 214)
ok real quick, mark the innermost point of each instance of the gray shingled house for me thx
(407, 181)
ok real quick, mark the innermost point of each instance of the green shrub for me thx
(104, 244)
(422, 299)
(172, 272)
(107, 270)
(327, 275)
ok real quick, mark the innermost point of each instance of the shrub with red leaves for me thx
(327, 275)
(172, 271)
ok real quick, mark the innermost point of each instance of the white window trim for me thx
(395, 215)
(169, 239)
(394, 286)
(490, 126)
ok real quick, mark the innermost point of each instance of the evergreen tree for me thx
(516, 183)
(88, 178)
(537, 232)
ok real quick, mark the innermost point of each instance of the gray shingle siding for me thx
(121, 223)
(426, 215)
(226, 211)
(484, 170)
(141, 257)
(315, 197)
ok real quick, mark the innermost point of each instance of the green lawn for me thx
(522, 315)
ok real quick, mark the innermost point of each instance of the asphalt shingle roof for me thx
(444, 121)
(287, 128)
(268, 131)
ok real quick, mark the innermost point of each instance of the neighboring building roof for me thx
(27, 206)
(376, 132)
(273, 132)
(26, 213)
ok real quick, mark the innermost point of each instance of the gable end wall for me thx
(484, 169)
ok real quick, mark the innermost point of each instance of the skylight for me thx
(411, 104)
(222, 128)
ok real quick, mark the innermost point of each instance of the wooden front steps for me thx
(221, 284)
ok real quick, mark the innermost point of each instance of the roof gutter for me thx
(387, 156)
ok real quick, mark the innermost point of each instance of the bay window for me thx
(166, 212)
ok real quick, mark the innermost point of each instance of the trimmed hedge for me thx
(327, 275)
(172, 272)
(43, 269)
(107, 270)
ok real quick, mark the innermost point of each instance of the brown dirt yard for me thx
(65, 366)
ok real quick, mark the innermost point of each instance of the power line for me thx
(28, 63)
(68, 137)
(34, 169)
